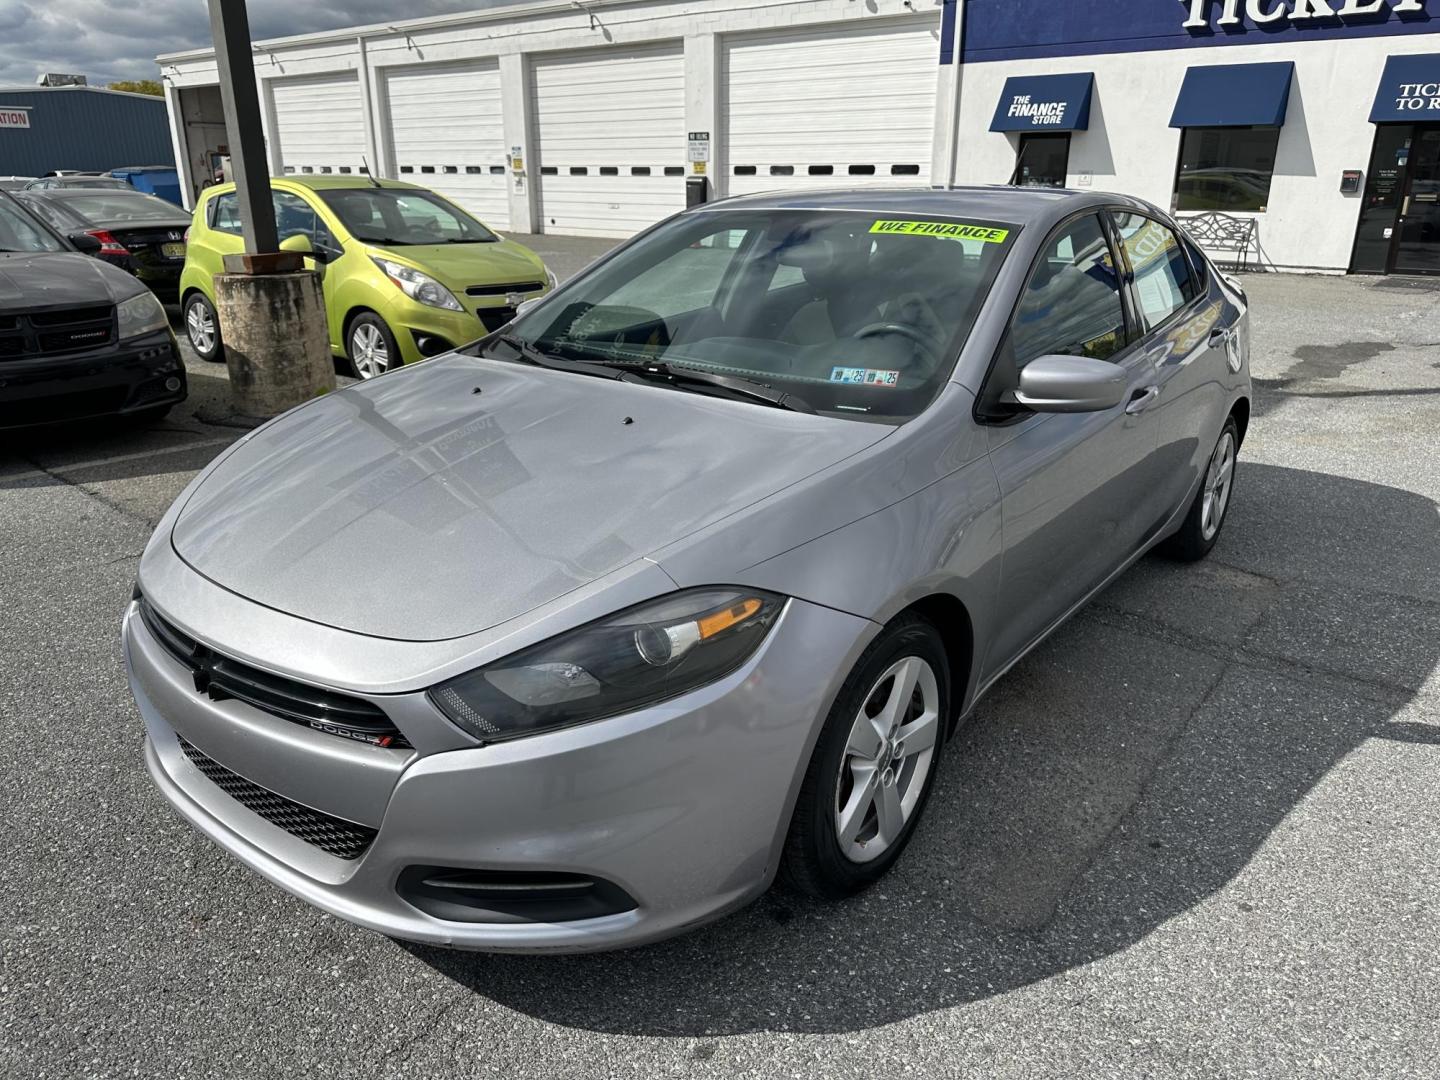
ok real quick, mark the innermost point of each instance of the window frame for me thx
(989, 410)
(1186, 309)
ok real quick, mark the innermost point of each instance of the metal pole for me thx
(230, 25)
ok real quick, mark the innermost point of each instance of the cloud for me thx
(107, 42)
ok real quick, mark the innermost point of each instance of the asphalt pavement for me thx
(1194, 835)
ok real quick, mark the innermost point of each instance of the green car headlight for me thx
(650, 653)
(140, 315)
(420, 287)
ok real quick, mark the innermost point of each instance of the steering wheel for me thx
(905, 330)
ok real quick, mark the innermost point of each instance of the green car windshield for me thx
(400, 217)
(858, 314)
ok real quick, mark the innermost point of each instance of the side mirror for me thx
(84, 243)
(298, 243)
(1071, 384)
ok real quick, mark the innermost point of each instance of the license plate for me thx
(173, 251)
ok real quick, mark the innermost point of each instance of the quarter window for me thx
(1072, 305)
(1163, 281)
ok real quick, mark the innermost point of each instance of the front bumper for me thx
(101, 382)
(683, 806)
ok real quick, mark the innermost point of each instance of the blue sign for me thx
(1019, 29)
(1045, 103)
(1234, 95)
(1409, 90)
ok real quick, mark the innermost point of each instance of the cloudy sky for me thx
(119, 39)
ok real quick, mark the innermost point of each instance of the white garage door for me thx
(446, 133)
(319, 124)
(830, 107)
(609, 139)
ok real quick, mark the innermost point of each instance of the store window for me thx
(1042, 160)
(1226, 169)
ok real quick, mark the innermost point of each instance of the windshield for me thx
(122, 206)
(859, 315)
(21, 232)
(399, 217)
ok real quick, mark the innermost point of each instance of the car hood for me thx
(34, 280)
(444, 499)
(458, 266)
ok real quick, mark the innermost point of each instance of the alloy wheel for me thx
(1218, 486)
(200, 327)
(369, 351)
(887, 759)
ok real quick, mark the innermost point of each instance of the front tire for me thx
(202, 328)
(873, 766)
(1207, 513)
(370, 346)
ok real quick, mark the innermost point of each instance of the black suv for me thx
(78, 337)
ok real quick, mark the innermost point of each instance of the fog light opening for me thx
(172, 384)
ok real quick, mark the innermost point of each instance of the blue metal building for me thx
(80, 127)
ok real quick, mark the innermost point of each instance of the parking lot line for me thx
(115, 459)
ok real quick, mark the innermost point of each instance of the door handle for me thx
(1142, 399)
(1219, 336)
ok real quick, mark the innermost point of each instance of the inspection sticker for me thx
(859, 376)
(949, 229)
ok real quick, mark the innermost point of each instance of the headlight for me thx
(420, 287)
(656, 651)
(140, 315)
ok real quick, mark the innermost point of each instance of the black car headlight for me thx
(658, 650)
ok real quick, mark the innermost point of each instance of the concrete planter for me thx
(277, 346)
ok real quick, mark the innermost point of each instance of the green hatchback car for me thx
(406, 273)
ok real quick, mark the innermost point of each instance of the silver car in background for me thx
(575, 638)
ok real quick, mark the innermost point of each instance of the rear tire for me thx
(874, 765)
(370, 346)
(202, 328)
(1207, 513)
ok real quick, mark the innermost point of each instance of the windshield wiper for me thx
(533, 356)
(736, 385)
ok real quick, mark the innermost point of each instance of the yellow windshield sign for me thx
(949, 229)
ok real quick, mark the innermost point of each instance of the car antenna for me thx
(368, 174)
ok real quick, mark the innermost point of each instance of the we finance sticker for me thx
(950, 230)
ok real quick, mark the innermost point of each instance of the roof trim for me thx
(82, 89)
(499, 13)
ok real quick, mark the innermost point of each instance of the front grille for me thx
(335, 836)
(44, 333)
(501, 290)
(222, 678)
(57, 407)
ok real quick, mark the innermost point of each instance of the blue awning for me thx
(1234, 95)
(1045, 103)
(1409, 90)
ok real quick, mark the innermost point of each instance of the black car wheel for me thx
(873, 766)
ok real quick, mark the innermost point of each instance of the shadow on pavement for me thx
(1123, 774)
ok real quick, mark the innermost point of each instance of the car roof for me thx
(318, 183)
(1000, 203)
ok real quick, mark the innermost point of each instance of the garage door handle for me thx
(1142, 399)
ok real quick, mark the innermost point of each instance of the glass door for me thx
(1384, 191)
(1042, 161)
(1417, 247)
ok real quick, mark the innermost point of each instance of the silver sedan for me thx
(576, 637)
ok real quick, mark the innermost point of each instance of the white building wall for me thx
(1130, 147)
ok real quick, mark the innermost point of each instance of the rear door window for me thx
(1164, 282)
(225, 213)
